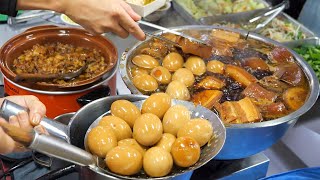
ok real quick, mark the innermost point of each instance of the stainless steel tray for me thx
(309, 41)
(244, 15)
(283, 16)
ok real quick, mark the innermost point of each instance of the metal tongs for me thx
(171, 31)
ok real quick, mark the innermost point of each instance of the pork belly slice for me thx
(240, 75)
(210, 82)
(207, 98)
(251, 111)
(259, 95)
(236, 112)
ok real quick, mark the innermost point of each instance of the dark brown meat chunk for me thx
(274, 110)
(259, 94)
(256, 63)
(273, 83)
(280, 55)
(291, 74)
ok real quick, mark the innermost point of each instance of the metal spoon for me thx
(49, 77)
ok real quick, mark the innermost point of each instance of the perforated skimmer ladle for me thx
(62, 150)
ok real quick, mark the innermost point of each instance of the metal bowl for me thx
(243, 140)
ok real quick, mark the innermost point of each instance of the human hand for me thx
(100, 16)
(23, 120)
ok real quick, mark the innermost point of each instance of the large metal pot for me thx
(244, 140)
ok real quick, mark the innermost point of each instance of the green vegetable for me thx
(312, 55)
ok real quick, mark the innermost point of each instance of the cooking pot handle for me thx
(54, 128)
(53, 175)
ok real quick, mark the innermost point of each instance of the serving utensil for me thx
(95, 164)
(49, 77)
(174, 32)
(162, 39)
(51, 146)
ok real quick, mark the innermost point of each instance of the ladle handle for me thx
(35, 77)
(54, 128)
(60, 149)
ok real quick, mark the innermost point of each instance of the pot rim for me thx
(311, 76)
(109, 74)
(62, 29)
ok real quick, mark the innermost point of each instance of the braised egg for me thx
(125, 110)
(147, 129)
(101, 140)
(178, 90)
(121, 129)
(124, 160)
(161, 74)
(145, 82)
(196, 65)
(173, 61)
(166, 141)
(175, 118)
(134, 144)
(157, 103)
(185, 151)
(157, 162)
(215, 66)
(145, 61)
(199, 129)
(185, 76)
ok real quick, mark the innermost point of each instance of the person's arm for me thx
(96, 16)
